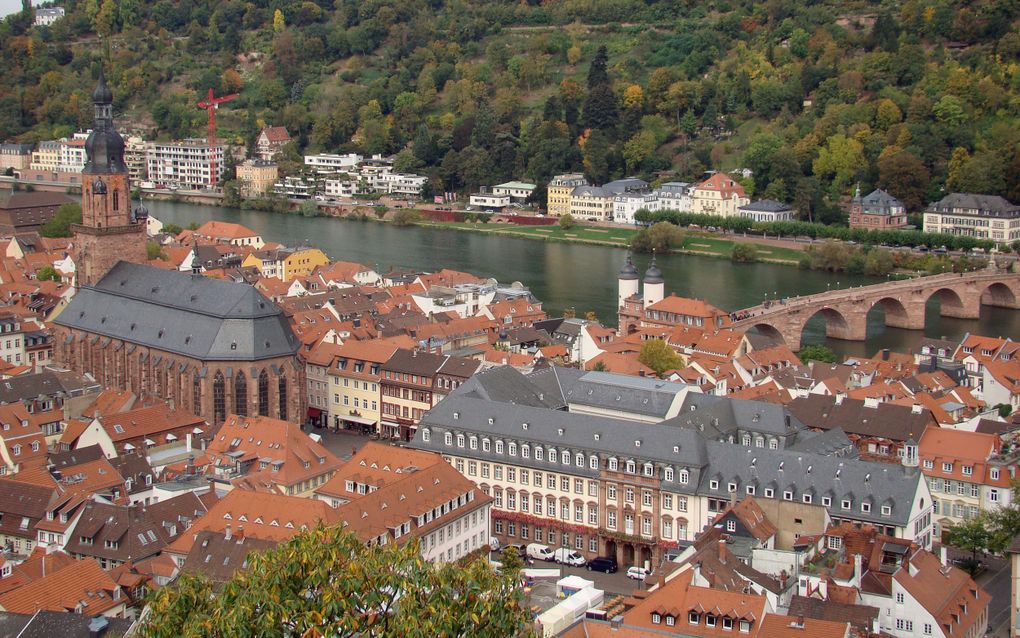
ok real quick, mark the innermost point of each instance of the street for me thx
(996, 581)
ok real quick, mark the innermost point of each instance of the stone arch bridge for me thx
(845, 311)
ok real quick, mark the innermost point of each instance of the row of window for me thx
(967, 470)
(564, 457)
(710, 621)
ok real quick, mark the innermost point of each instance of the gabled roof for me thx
(82, 585)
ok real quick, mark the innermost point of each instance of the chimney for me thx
(839, 398)
(98, 626)
(226, 533)
(722, 550)
(916, 408)
(858, 569)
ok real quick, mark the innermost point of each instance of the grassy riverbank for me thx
(695, 244)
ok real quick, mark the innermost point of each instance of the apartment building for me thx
(187, 164)
(15, 156)
(387, 494)
(412, 382)
(354, 376)
(982, 216)
(326, 163)
(135, 156)
(967, 473)
(559, 190)
(720, 195)
(257, 176)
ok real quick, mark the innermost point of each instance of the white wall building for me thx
(46, 16)
(625, 205)
(340, 187)
(489, 201)
(518, 191)
(333, 163)
(187, 164)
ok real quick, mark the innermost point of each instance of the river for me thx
(581, 277)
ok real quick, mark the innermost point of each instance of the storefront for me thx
(355, 422)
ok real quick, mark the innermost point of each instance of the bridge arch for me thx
(999, 294)
(837, 325)
(900, 315)
(769, 331)
(953, 304)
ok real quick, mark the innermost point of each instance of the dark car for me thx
(605, 564)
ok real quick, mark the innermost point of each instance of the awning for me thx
(358, 419)
(314, 412)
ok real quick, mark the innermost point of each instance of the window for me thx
(614, 465)
(968, 470)
(511, 448)
(769, 492)
(846, 504)
(219, 398)
(656, 619)
(611, 492)
(886, 510)
(787, 495)
(899, 598)
(263, 394)
(731, 525)
(928, 464)
(460, 440)
(486, 445)
(448, 438)
(709, 620)
(282, 386)
(693, 618)
(834, 542)
(993, 495)
(241, 394)
(629, 495)
(667, 501)
(826, 501)
(593, 515)
(685, 476)
(578, 512)
(713, 484)
(745, 626)
(947, 467)
(473, 444)
(525, 451)
(426, 435)
(994, 474)
(499, 447)
(565, 457)
(631, 467)
(611, 519)
(927, 629)
(196, 394)
(866, 508)
(539, 453)
(593, 463)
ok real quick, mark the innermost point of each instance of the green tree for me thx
(657, 355)
(905, 177)
(598, 73)
(406, 217)
(596, 157)
(841, 159)
(662, 237)
(817, 352)
(60, 224)
(154, 251)
(309, 208)
(567, 221)
(326, 582)
(971, 535)
(879, 263)
(47, 273)
(172, 229)
(744, 253)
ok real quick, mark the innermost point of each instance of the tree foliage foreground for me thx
(326, 582)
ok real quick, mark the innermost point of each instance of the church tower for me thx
(109, 231)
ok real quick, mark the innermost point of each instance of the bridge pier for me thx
(910, 316)
(965, 306)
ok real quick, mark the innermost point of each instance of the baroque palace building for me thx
(209, 346)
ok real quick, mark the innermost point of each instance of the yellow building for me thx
(354, 384)
(559, 190)
(256, 176)
(286, 263)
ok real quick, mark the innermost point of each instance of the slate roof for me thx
(217, 557)
(860, 617)
(820, 476)
(506, 384)
(47, 624)
(197, 317)
(46, 383)
(555, 382)
(767, 206)
(988, 205)
(638, 395)
(562, 430)
(722, 416)
(879, 202)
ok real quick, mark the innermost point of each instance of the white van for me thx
(539, 551)
(566, 556)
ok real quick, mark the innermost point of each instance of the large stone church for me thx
(205, 345)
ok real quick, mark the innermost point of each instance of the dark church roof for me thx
(193, 316)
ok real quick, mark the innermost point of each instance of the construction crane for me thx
(210, 104)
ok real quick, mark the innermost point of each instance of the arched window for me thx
(196, 395)
(219, 398)
(263, 394)
(283, 398)
(240, 394)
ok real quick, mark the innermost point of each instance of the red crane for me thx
(210, 104)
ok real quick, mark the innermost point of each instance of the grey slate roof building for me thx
(879, 202)
(972, 204)
(612, 476)
(644, 397)
(197, 317)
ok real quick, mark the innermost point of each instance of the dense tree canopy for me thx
(326, 582)
(814, 99)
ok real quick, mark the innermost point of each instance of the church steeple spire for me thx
(104, 147)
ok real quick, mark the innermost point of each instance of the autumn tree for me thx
(657, 355)
(905, 177)
(326, 582)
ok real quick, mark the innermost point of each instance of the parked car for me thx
(638, 573)
(605, 564)
(565, 556)
(540, 551)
